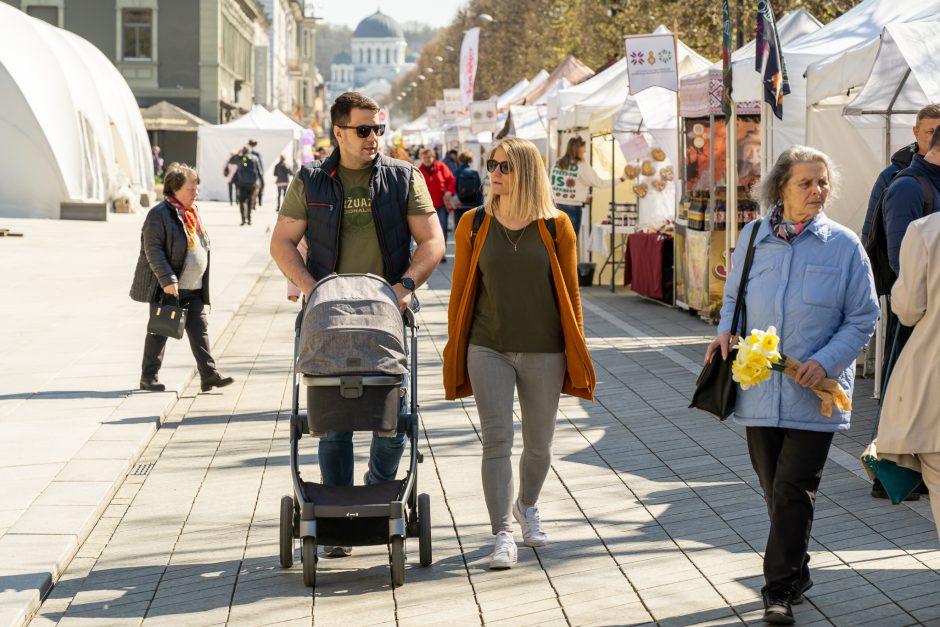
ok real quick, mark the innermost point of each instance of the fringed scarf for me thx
(191, 221)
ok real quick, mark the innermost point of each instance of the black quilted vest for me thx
(388, 190)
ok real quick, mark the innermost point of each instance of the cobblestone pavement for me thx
(653, 511)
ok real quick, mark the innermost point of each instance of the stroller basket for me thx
(353, 403)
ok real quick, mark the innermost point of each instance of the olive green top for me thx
(516, 309)
(358, 242)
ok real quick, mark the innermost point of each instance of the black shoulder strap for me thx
(740, 309)
(550, 225)
(927, 189)
(478, 214)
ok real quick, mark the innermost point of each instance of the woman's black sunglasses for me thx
(492, 164)
(364, 130)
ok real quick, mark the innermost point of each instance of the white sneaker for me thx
(532, 533)
(504, 552)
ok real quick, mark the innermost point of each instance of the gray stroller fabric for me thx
(352, 325)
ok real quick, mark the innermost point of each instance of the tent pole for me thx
(613, 205)
(731, 182)
(888, 112)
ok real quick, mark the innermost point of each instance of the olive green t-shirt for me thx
(516, 309)
(358, 242)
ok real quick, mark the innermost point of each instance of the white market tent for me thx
(857, 145)
(275, 137)
(69, 115)
(503, 100)
(576, 93)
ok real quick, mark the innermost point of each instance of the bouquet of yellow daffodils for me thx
(758, 355)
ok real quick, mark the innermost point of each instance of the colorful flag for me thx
(769, 59)
(726, 102)
(469, 59)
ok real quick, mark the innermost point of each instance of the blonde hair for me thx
(531, 196)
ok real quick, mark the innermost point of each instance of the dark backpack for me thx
(877, 244)
(469, 186)
(247, 172)
(479, 213)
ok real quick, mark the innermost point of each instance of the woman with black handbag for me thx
(811, 279)
(173, 267)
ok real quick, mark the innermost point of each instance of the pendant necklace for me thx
(515, 244)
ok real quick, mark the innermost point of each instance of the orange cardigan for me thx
(579, 371)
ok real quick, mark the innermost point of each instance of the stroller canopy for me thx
(352, 325)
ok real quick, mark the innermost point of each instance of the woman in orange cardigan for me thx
(514, 324)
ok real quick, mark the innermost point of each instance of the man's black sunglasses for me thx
(492, 164)
(364, 130)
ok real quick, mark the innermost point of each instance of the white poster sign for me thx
(469, 58)
(453, 105)
(651, 62)
(483, 116)
(434, 117)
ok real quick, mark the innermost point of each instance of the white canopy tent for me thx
(858, 145)
(567, 97)
(216, 143)
(69, 115)
(503, 100)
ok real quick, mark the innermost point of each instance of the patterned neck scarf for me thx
(191, 221)
(783, 228)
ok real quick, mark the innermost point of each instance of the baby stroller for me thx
(350, 355)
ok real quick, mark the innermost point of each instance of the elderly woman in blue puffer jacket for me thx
(811, 279)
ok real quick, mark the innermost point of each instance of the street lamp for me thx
(486, 17)
(429, 70)
(439, 58)
(422, 77)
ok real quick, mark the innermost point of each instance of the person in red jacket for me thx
(442, 185)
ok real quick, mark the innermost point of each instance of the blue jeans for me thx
(442, 216)
(335, 452)
(574, 212)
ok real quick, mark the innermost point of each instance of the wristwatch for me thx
(409, 284)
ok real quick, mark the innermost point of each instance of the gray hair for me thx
(768, 192)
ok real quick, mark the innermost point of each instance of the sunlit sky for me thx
(351, 12)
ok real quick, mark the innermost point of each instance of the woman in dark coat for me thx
(174, 261)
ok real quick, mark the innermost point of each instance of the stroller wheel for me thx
(287, 531)
(424, 529)
(397, 550)
(308, 554)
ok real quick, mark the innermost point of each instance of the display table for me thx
(648, 265)
(599, 241)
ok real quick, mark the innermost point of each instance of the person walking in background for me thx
(928, 119)
(514, 323)
(246, 179)
(157, 163)
(571, 179)
(358, 211)
(441, 185)
(468, 185)
(231, 166)
(451, 161)
(909, 431)
(259, 191)
(811, 279)
(282, 175)
(174, 260)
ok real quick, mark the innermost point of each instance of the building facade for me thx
(377, 59)
(213, 58)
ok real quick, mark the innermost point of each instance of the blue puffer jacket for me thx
(899, 160)
(819, 293)
(904, 203)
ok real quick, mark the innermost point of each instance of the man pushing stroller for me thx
(382, 204)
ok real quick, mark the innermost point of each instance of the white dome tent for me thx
(69, 115)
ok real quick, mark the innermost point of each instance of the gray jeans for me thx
(495, 376)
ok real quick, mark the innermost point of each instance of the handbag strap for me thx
(892, 357)
(740, 309)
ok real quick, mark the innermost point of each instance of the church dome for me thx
(379, 26)
(343, 58)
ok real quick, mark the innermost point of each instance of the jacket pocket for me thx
(821, 286)
(321, 205)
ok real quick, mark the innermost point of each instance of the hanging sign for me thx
(651, 62)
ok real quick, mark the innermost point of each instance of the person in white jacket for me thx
(572, 177)
(909, 429)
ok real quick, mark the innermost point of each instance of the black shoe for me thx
(777, 610)
(444, 259)
(216, 381)
(878, 492)
(797, 596)
(922, 489)
(151, 385)
(337, 551)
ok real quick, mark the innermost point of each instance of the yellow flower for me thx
(756, 354)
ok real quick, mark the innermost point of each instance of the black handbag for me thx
(167, 319)
(715, 390)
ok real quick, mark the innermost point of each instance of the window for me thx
(388, 57)
(369, 56)
(50, 15)
(137, 34)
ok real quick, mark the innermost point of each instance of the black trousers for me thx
(281, 192)
(246, 201)
(231, 187)
(789, 464)
(197, 330)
